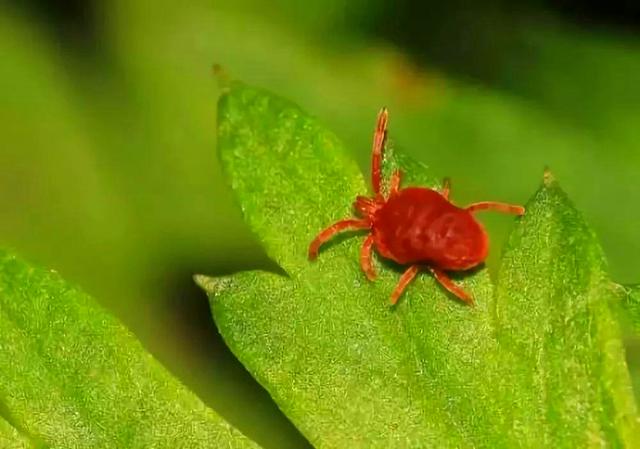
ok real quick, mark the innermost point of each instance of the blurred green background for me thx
(108, 170)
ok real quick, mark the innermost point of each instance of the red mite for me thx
(416, 226)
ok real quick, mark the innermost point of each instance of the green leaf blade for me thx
(72, 376)
(356, 403)
(552, 309)
(285, 154)
(351, 371)
(326, 343)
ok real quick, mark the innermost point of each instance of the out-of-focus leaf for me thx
(631, 306)
(10, 438)
(350, 371)
(72, 376)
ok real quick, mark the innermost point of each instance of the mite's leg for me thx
(446, 188)
(379, 138)
(351, 223)
(447, 283)
(365, 258)
(405, 279)
(394, 184)
(498, 207)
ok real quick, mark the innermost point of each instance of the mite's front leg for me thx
(342, 225)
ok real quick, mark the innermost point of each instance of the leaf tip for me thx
(231, 92)
(548, 179)
(211, 285)
(204, 282)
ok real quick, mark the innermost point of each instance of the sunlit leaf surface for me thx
(71, 376)
(538, 362)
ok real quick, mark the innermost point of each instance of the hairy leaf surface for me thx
(72, 376)
(538, 361)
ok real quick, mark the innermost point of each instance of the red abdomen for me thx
(418, 225)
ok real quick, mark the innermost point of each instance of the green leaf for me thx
(553, 310)
(542, 363)
(72, 376)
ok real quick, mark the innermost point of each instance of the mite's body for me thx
(419, 226)
(416, 226)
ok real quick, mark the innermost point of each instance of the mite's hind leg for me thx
(366, 256)
(342, 225)
(447, 283)
(405, 279)
(495, 206)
